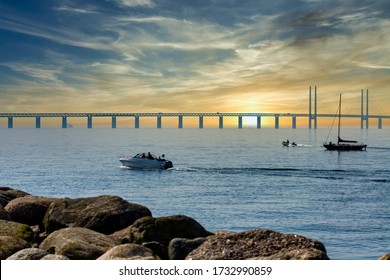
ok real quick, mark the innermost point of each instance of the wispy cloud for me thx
(136, 3)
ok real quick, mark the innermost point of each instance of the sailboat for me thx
(344, 145)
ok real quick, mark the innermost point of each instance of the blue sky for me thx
(191, 56)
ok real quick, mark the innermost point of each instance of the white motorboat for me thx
(145, 161)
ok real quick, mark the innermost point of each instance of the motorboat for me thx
(288, 144)
(145, 161)
(344, 145)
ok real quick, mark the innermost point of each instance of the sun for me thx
(250, 121)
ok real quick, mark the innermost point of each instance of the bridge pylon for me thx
(313, 116)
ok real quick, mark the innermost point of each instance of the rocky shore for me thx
(109, 227)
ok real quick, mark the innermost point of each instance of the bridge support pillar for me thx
(37, 122)
(113, 122)
(200, 121)
(239, 121)
(379, 123)
(89, 121)
(159, 121)
(180, 121)
(313, 116)
(64, 123)
(220, 121)
(10, 122)
(294, 122)
(276, 121)
(136, 122)
(258, 121)
(367, 109)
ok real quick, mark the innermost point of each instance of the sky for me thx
(193, 55)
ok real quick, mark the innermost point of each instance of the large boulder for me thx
(29, 254)
(258, 244)
(105, 214)
(29, 210)
(10, 245)
(7, 194)
(78, 243)
(129, 252)
(9, 228)
(164, 229)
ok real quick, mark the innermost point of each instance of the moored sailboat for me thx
(344, 145)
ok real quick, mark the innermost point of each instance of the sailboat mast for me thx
(338, 132)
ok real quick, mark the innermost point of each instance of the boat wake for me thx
(327, 174)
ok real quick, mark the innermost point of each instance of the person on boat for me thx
(150, 156)
(288, 142)
(143, 155)
(293, 144)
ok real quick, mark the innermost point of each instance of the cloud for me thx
(136, 3)
(77, 10)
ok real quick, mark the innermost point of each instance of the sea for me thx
(227, 179)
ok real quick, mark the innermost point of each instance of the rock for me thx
(128, 252)
(29, 210)
(105, 214)
(157, 248)
(7, 194)
(296, 254)
(4, 215)
(179, 248)
(385, 257)
(78, 243)
(9, 228)
(164, 229)
(258, 244)
(122, 236)
(54, 257)
(10, 245)
(28, 254)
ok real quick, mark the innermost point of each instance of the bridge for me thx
(311, 116)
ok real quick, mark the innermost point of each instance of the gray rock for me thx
(28, 254)
(258, 244)
(128, 252)
(78, 243)
(10, 245)
(105, 214)
(179, 248)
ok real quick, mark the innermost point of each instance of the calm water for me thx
(227, 179)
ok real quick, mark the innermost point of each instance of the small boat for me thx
(288, 144)
(145, 161)
(344, 145)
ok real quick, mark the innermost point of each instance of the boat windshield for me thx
(145, 155)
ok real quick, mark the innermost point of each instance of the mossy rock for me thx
(22, 231)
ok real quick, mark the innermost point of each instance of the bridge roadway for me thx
(180, 116)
